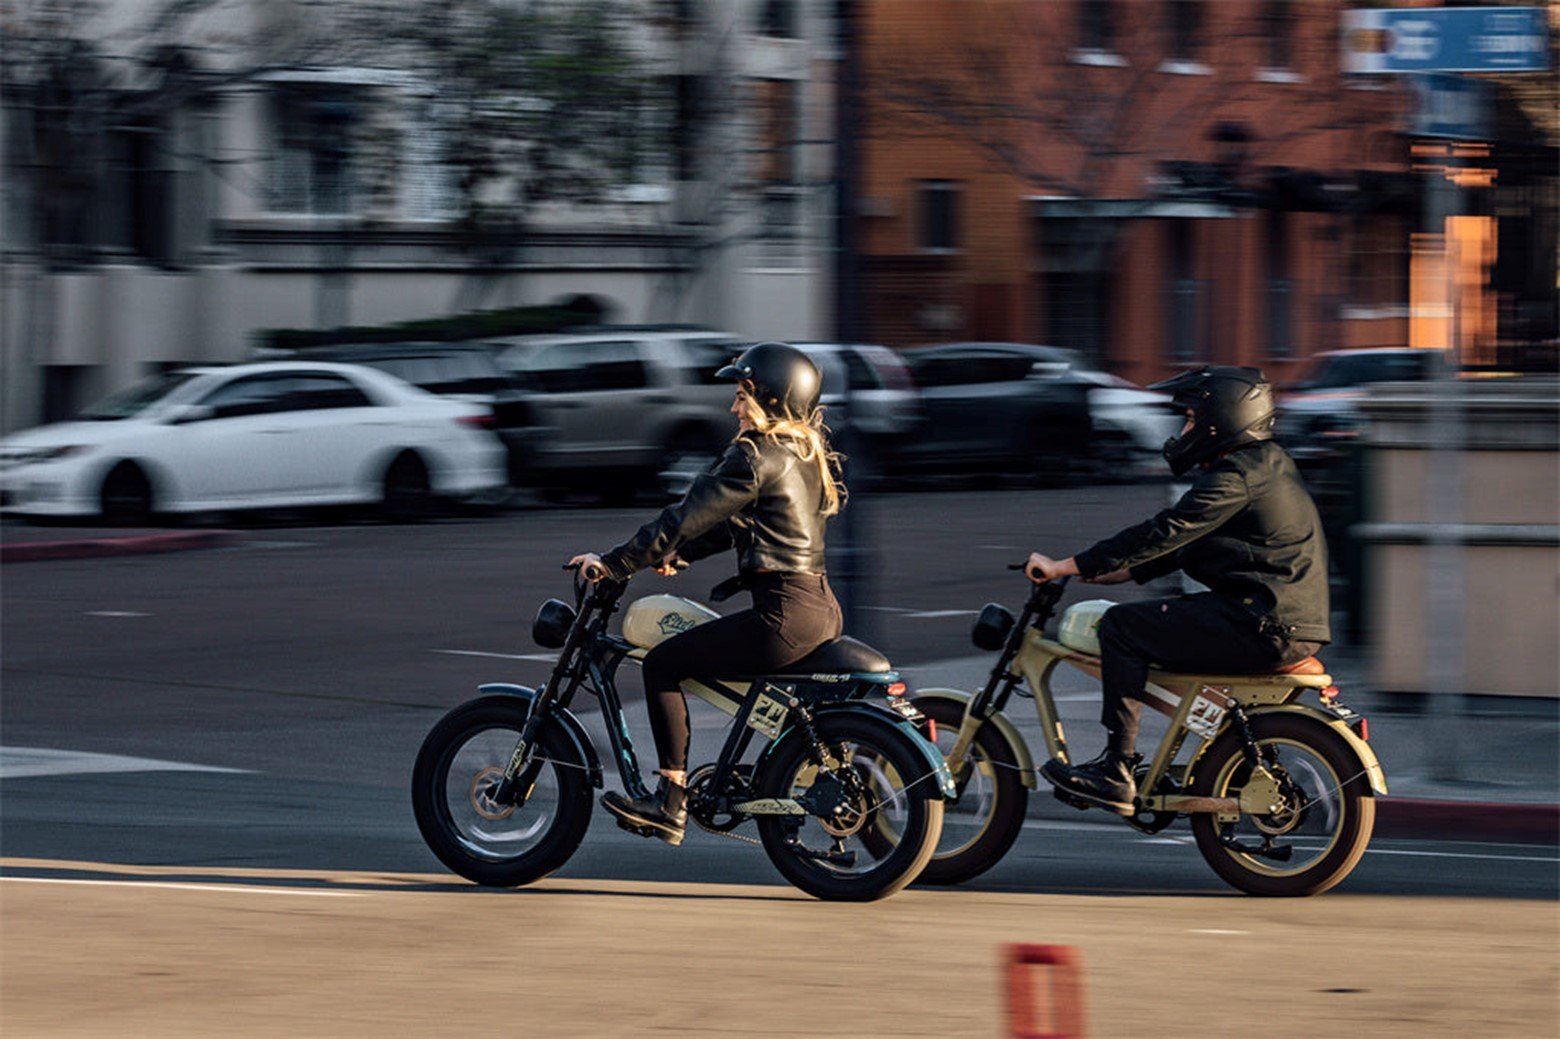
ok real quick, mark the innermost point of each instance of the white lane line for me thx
(1454, 855)
(546, 658)
(240, 888)
(1213, 930)
(928, 614)
(116, 613)
(21, 762)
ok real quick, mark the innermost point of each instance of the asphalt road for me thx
(206, 829)
(312, 660)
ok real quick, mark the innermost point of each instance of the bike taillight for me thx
(896, 689)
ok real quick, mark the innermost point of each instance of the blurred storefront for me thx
(1162, 184)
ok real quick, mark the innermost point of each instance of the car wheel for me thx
(408, 497)
(126, 499)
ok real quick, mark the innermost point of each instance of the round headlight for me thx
(551, 627)
(992, 627)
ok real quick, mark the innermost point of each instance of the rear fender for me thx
(875, 716)
(1362, 750)
(1001, 722)
(584, 749)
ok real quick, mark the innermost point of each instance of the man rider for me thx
(1247, 529)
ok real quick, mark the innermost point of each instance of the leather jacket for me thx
(1247, 529)
(759, 497)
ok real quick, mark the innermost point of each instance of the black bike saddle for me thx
(841, 656)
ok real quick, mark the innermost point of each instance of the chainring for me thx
(704, 800)
(1149, 821)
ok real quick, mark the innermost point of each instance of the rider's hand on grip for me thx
(589, 565)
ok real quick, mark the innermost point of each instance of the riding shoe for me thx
(663, 814)
(1106, 781)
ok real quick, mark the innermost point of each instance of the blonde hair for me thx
(809, 439)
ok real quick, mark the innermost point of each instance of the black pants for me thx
(792, 615)
(1206, 632)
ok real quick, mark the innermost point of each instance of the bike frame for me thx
(1198, 705)
(591, 656)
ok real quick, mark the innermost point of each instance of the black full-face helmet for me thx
(786, 383)
(1230, 407)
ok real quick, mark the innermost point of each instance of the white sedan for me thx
(254, 436)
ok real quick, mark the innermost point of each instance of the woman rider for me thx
(768, 496)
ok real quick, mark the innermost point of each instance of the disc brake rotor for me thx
(481, 793)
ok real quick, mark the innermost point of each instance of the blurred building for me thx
(179, 176)
(1161, 182)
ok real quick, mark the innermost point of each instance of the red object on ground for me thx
(1054, 1009)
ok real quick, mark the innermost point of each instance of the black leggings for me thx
(792, 615)
(1204, 632)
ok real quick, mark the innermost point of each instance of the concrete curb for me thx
(1414, 819)
(86, 548)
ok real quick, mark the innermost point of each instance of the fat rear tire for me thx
(917, 831)
(1345, 806)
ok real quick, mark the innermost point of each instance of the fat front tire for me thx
(887, 825)
(461, 762)
(979, 827)
(1327, 817)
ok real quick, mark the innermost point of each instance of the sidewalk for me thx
(1499, 781)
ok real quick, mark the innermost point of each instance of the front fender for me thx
(879, 716)
(1003, 724)
(1362, 750)
(584, 748)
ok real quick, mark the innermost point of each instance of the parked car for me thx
(254, 436)
(1012, 407)
(1319, 414)
(460, 371)
(869, 399)
(625, 408)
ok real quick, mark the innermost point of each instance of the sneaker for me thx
(663, 814)
(1106, 781)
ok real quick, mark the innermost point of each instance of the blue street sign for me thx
(1451, 106)
(1445, 39)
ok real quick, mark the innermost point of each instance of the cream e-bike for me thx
(846, 794)
(1279, 792)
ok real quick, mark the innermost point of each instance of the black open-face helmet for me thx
(786, 383)
(1230, 407)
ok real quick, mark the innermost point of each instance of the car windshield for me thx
(1360, 369)
(135, 399)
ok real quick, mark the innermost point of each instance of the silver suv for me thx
(625, 408)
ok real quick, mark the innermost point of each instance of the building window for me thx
(1378, 266)
(1185, 292)
(1185, 18)
(688, 91)
(1280, 307)
(312, 167)
(937, 228)
(1097, 25)
(1278, 29)
(779, 18)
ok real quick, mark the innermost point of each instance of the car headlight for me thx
(34, 455)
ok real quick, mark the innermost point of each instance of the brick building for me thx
(1154, 182)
